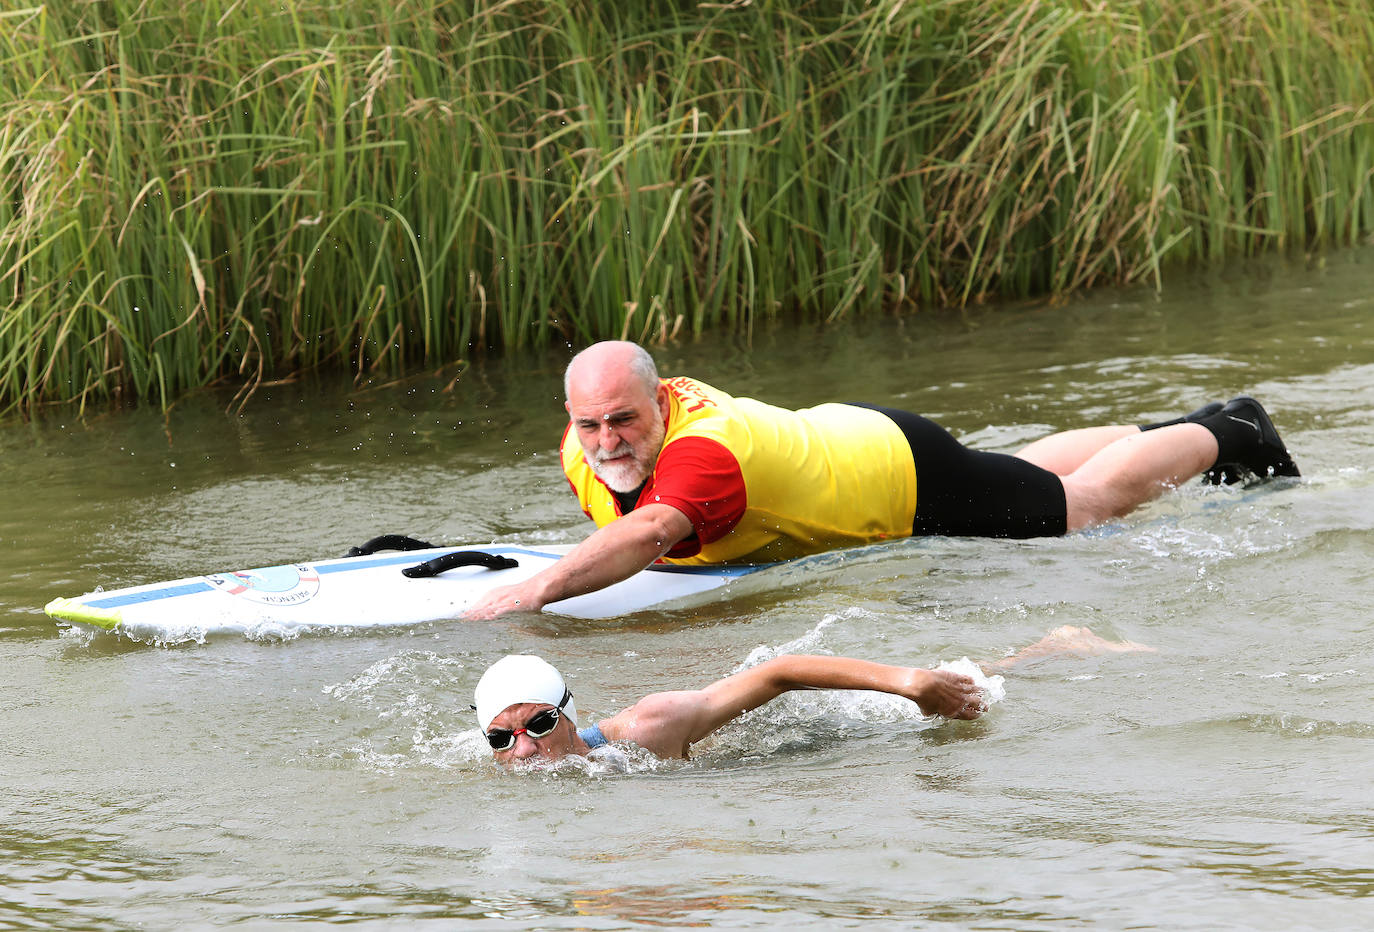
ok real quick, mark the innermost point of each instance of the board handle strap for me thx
(458, 558)
(388, 542)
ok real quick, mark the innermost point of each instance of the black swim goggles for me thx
(539, 725)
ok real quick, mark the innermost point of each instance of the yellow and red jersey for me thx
(761, 483)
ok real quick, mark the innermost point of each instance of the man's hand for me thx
(501, 601)
(614, 552)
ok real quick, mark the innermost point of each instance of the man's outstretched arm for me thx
(614, 552)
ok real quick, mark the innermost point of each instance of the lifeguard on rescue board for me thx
(679, 470)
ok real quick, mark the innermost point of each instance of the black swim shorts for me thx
(969, 493)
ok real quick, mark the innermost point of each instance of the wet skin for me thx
(559, 743)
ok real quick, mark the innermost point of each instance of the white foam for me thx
(994, 686)
(808, 643)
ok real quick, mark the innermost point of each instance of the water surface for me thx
(1219, 782)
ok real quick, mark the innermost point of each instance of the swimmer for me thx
(526, 710)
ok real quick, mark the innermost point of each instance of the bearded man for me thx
(678, 470)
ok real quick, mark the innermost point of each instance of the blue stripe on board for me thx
(410, 558)
(357, 563)
(709, 570)
(395, 559)
(152, 595)
(657, 567)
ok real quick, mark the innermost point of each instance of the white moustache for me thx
(623, 450)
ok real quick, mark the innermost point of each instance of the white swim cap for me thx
(520, 678)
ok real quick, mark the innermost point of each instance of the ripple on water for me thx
(1301, 726)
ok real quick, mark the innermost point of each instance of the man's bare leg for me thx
(1067, 450)
(1130, 471)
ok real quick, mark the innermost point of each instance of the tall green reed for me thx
(242, 190)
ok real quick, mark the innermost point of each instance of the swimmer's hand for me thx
(942, 692)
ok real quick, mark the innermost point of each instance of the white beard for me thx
(620, 476)
(625, 477)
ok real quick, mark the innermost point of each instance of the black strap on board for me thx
(456, 559)
(388, 542)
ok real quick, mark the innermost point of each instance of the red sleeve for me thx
(701, 479)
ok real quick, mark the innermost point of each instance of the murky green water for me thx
(1221, 782)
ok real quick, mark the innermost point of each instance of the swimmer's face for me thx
(558, 743)
(620, 424)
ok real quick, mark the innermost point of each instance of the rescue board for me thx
(374, 587)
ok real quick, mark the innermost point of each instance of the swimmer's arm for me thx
(612, 553)
(669, 723)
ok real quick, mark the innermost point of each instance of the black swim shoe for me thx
(1249, 444)
(1206, 411)
(1195, 417)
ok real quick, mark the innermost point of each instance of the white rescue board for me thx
(367, 591)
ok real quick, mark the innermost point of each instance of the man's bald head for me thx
(611, 356)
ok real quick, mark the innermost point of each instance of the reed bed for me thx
(242, 190)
